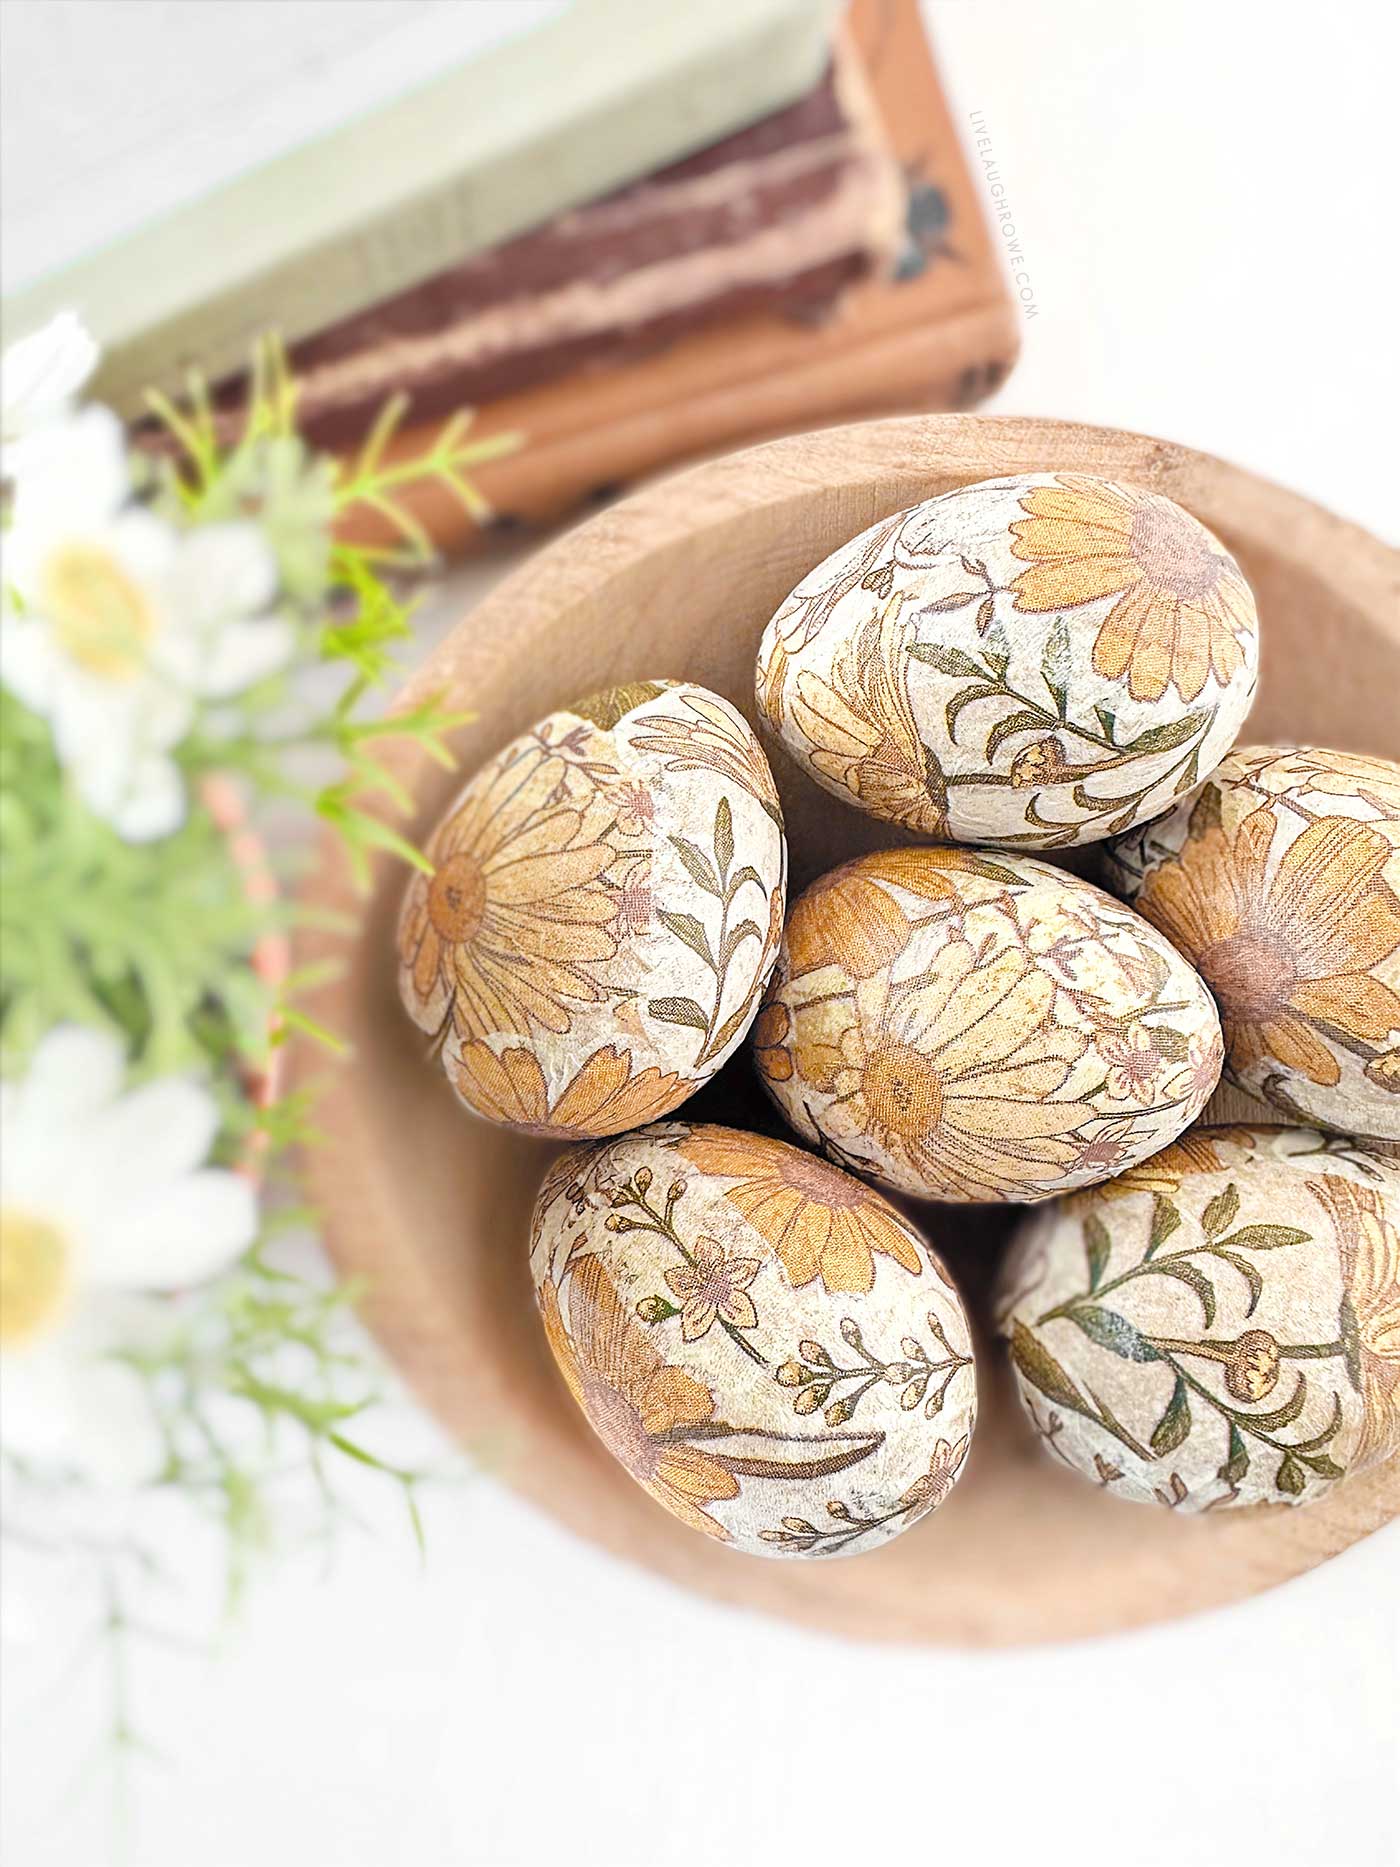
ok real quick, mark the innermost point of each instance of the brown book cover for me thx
(935, 330)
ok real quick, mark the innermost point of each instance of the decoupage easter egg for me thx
(1219, 1326)
(1280, 883)
(972, 1026)
(1039, 660)
(765, 1344)
(605, 903)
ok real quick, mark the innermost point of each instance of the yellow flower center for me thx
(1249, 973)
(35, 1267)
(101, 616)
(1173, 552)
(457, 899)
(903, 1091)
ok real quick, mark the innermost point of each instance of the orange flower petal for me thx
(1290, 1042)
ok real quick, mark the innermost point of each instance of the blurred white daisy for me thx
(116, 624)
(104, 1198)
(40, 375)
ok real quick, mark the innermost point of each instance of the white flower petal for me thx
(71, 479)
(40, 375)
(74, 1072)
(153, 1135)
(63, 1409)
(242, 653)
(221, 571)
(182, 1235)
(152, 804)
(30, 661)
(146, 547)
(113, 740)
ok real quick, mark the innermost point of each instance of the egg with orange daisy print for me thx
(971, 1026)
(598, 910)
(1280, 882)
(763, 1342)
(1032, 662)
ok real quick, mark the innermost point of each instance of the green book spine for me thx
(594, 98)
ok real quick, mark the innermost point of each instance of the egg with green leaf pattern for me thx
(1034, 662)
(1219, 1326)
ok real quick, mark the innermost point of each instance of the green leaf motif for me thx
(1290, 1477)
(1287, 1413)
(1113, 1332)
(1042, 1370)
(1097, 1247)
(735, 938)
(1165, 1220)
(1324, 1467)
(1187, 1274)
(1236, 1467)
(1221, 1212)
(1012, 723)
(678, 1011)
(697, 866)
(1249, 1272)
(1174, 1424)
(724, 836)
(1054, 664)
(1171, 1045)
(951, 661)
(1264, 1238)
(690, 932)
(966, 698)
(729, 1027)
(739, 878)
(958, 600)
(1169, 735)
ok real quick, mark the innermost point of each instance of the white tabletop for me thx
(1205, 199)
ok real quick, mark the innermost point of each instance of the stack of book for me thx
(630, 234)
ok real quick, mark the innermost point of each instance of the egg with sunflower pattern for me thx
(1280, 882)
(1034, 661)
(601, 907)
(971, 1026)
(1219, 1326)
(764, 1343)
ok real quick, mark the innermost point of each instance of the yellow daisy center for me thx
(35, 1273)
(457, 899)
(100, 614)
(903, 1091)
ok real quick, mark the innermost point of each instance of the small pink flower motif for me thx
(1107, 1152)
(1200, 1073)
(635, 902)
(713, 1286)
(1134, 1064)
(635, 807)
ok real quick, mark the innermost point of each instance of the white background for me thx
(1206, 196)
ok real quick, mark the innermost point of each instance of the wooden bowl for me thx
(430, 1208)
